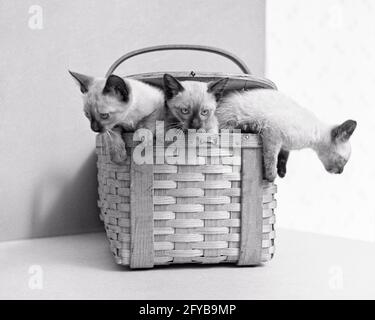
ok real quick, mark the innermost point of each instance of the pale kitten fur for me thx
(284, 126)
(114, 104)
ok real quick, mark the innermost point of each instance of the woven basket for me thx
(158, 214)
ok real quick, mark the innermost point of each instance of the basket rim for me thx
(236, 81)
(247, 140)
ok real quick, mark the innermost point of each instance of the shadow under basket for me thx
(218, 210)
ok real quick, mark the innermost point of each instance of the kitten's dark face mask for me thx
(193, 103)
(105, 100)
(335, 155)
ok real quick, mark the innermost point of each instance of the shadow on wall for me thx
(73, 208)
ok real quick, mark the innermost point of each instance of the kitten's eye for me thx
(204, 112)
(185, 110)
(104, 116)
(87, 114)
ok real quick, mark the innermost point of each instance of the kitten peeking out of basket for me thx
(115, 104)
(285, 126)
(192, 104)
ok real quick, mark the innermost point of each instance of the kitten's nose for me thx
(196, 124)
(96, 127)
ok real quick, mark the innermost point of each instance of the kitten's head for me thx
(193, 103)
(104, 100)
(336, 153)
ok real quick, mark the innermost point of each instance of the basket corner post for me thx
(141, 216)
(251, 208)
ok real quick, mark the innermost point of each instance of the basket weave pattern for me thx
(196, 210)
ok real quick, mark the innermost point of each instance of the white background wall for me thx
(47, 166)
(322, 53)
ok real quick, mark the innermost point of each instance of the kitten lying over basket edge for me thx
(282, 124)
(113, 105)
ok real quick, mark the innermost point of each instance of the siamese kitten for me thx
(285, 126)
(114, 104)
(192, 104)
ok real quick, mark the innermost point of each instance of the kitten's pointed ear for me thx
(116, 86)
(171, 86)
(217, 87)
(83, 81)
(343, 132)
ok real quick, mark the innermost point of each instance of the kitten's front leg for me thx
(270, 153)
(213, 131)
(117, 149)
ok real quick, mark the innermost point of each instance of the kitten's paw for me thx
(281, 173)
(247, 127)
(244, 127)
(270, 175)
(270, 178)
(281, 169)
(118, 156)
(118, 152)
(213, 139)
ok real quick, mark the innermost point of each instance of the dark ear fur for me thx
(171, 86)
(117, 87)
(217, 87)
(83, 81)
(343, 132)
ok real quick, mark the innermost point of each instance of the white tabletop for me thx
(306, 266)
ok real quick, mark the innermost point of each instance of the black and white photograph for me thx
(187, 150)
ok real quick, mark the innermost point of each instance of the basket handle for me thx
(214, 50)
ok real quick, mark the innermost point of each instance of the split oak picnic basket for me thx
(159, 214)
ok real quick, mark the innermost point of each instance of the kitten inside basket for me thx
(115, 104)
